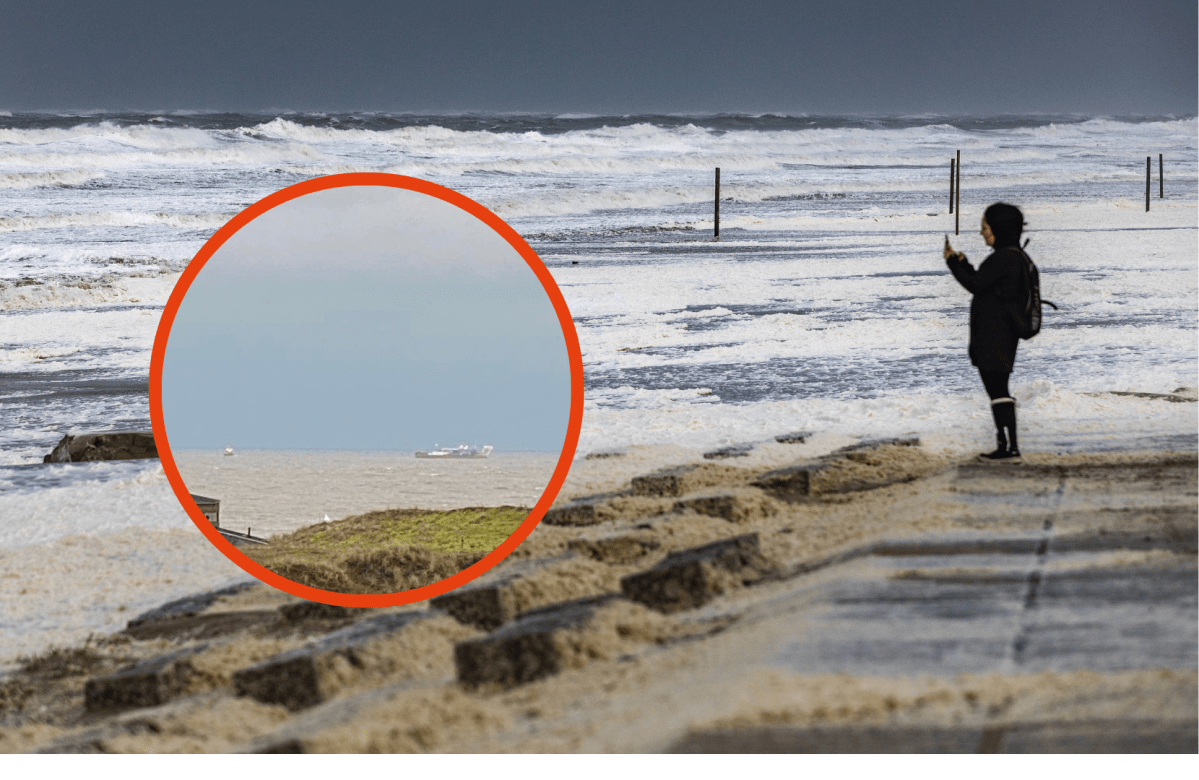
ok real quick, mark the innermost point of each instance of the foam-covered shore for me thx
(861, 331)
(1051, 418)
(894, 592)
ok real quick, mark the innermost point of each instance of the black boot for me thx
(1008, 413)
(1007, 451)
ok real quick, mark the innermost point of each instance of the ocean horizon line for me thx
(568, 116)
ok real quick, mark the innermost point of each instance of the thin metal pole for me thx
(951, 170)
(1161, 178)
(957, 217)
(1148, 178)
(717, 203)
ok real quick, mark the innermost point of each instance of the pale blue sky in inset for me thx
(366, 318)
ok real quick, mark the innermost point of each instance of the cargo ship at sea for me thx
(454, 453)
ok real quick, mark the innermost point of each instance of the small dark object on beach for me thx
(732, 451)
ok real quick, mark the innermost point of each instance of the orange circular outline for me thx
(574, 423)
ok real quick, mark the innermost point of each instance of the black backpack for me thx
(1027, 313)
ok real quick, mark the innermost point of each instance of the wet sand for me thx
(881, 598)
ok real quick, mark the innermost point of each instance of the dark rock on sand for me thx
(112, 445)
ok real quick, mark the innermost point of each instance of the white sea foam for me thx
(1104, 129)
(142, 284)
(141, 500)
(111, 338)
(113, 219)
(57, 594)
(89, 556)
(24, 181)
(43, 260)
(138, 136)
(1051, 418)
(825, 306)
(120, 153)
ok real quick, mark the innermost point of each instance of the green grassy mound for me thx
(388, 551)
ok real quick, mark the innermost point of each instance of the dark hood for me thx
(1007, 223)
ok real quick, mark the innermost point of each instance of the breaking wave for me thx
(113, 219)
(24, 181)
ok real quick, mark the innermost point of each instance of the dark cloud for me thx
(1105, 57)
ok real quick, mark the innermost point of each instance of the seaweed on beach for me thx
(57, 663)
(47, 676)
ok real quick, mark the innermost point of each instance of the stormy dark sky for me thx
(1110, 57)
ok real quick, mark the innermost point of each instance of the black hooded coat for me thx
(998, 285)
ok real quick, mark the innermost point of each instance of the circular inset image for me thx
(366, 390)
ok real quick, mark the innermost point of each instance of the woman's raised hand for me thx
(948, 249)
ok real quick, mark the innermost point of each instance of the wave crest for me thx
(24, 181)
(114, 219)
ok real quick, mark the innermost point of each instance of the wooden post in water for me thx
(957, 217)
(1161, 178)
(717, 233)
(1148, 177)
(951, 170)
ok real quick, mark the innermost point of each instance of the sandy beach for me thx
(884, 596)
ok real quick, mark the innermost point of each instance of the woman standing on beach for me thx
(997, 286)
